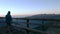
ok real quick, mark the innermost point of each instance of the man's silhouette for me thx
(8, 19)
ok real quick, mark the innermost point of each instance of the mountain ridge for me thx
(45, 16)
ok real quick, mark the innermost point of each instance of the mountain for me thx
(52, 16)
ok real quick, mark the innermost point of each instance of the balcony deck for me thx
(52, 29)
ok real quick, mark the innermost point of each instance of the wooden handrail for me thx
(33, 30)
(45, 19)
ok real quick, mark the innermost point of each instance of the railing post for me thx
(27, 26)
(42, 25)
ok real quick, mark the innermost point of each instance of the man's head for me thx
(8, 12)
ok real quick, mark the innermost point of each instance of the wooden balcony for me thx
(28, 29)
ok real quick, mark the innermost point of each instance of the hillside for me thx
(53, 16)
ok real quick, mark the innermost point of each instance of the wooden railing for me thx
(34, 30)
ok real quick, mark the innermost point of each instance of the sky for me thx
(29, 7)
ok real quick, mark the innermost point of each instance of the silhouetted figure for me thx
(8, 19)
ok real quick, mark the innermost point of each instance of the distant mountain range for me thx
(53, 16)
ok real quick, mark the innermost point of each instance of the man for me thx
(8, 19)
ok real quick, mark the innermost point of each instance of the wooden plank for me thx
(45, 19)
(33, 30)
